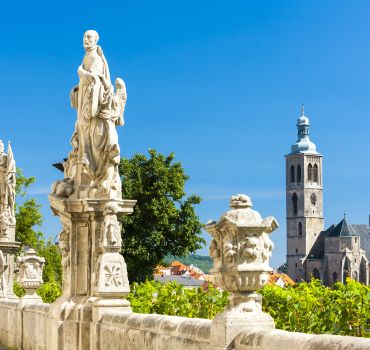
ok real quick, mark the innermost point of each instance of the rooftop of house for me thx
(275, 276)
(185, 281)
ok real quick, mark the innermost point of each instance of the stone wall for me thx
(120, 330)
(23, 326)
(27, 327)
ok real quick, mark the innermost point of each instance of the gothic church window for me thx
(292, 171)
(316, 274)
(313, 199)
(309, 172)
(299, 174)
(315, 173)
(346, 271)
(355, 276)
(295, 203)
(362, 278)
(300, 228)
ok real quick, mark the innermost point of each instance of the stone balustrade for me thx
(28, 327)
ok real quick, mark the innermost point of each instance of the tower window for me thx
(299, 174)
(295, 203)
(300, 228)
(315, 173)
(296, 250)
(292, 171)
(313, 199)
(309, 172)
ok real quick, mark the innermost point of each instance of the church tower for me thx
(304, 199)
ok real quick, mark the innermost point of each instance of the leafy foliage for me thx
(205, 263)
(176, 300)
(28, 218)
(163, 220)
(343, 309)
(311, 307)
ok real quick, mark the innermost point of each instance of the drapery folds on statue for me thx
(89, 204)
(100, 110)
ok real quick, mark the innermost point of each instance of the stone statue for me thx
(7, 189)
(100, 109)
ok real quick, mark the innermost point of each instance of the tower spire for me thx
(303, 144)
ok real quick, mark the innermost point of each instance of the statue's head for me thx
(90, 40)
(1, 147)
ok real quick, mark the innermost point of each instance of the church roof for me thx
(317, 250)
(363, 231)
(343, 229)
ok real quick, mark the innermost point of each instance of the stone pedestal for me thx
(94, 272)
(30, 275)
(241, 250)
(8, 247)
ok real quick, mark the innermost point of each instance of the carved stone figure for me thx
(89, 204)
(7, 188)
(99, 110)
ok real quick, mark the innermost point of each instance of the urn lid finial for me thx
(240, 201)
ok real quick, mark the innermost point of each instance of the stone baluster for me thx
(240, 249)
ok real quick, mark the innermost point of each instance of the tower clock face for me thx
(313, 199)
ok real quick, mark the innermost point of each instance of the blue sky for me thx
(218, 83)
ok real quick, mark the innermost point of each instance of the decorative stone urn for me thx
(30, 273)
(241, 249)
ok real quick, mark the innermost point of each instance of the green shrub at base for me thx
(174, 299)
(343, 309)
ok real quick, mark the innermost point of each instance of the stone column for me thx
(241, 249)
(89, 204)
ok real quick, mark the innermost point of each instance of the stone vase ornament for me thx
(30, 274)
(241, 249)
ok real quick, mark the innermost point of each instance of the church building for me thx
(331, 255)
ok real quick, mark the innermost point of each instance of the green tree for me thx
(29, 219)
(164, 221)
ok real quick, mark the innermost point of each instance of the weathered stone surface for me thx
(89, 203)
(241, 250)
(8, 246)
(30, 274)
(262, 339)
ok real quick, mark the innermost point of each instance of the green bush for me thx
(174, 299)
(49, 292)
(343, 309)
